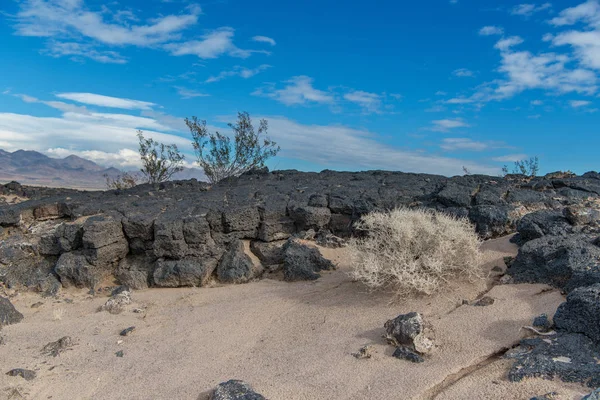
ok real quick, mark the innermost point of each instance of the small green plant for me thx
(159, 161)
(221, 157)
(529, 167)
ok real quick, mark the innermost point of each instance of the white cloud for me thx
(79, 51)
(588, 12)
(59, 105)
(298, 91)
(122, 158)
(264, 39)
(189, 94)
(445, 125)
(491, 30)
(72, 25)
(528, 10)
(397, 96)
(465, 144)
(213, 45)
(463, 73)
(360, 150)
(537, 103)
(440, 93)
(506, 43)
(238, 71)
(460, 100)
(370, 102)
(510, 158)
(579, 103)
(106, 101)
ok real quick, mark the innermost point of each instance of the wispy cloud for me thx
(76, 30)
(106, 101)
(212, 45)
(528, 9)
(188, 93)
(445, 125)
(238, 71)
(510, 157)
(369, 102)
(264, 39)
(463, 144)
(579, 103)
(491, 30)
(537, 103)
(463, 73)
(298, 90)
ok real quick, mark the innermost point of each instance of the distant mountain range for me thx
(36, 169)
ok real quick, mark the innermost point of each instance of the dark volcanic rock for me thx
(236, 266)
(491, 221)
(303, 263)
(8, 313)
(235, 390)
(403, 329)
(595, 395)
(136, 271)
(269, 253)
(581, 312)
(26, 374)
(188, 272)
(567, 262)
(405, 353)
(73, 269)
(571, 357)
(543, 222)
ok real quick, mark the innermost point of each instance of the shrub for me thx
(159, 161)
(529, 167)
(220, 158)
(124, 180)
(414, 251)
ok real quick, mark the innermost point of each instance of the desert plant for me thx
(413, 251)
(529, 167)
(220, 158)
(159, 161)
(124, 180)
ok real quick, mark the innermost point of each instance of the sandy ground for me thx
(288, 340)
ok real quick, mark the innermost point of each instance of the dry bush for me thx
(414, 251)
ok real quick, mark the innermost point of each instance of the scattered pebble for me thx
(26, 374)
(404, 353)
(37, 305)
(363, 352)
(120, 353)
(127, 331)
(55, 348)
(484, 301)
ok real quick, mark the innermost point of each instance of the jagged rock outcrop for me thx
(8, 313)
(581, 312)
(177, 233)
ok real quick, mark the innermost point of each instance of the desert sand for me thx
(288, 340)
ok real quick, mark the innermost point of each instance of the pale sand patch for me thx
(288, 340)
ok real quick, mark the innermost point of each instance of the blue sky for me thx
(411, 86)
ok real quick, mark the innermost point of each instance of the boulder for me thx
(187, 272)
(408, 331)
(572, 357)
(581, 312)
(73, 269)
(269, 253)
(579, 216)
(236, 266)
(8, 313)
(135, 271)
(103, 241)
(540, 223)
(567, 262)
(307, 217)
(491, 221)
(235, 390)
(303, 263)
(455, 195)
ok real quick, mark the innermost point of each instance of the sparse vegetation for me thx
(221, 157)
(125, 180)
(159, 161)
(529, 167)
(413, 251)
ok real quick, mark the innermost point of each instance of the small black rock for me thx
(26, 374)
(542, 321)
(404, 353)
(127, 331)
(120, 353)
